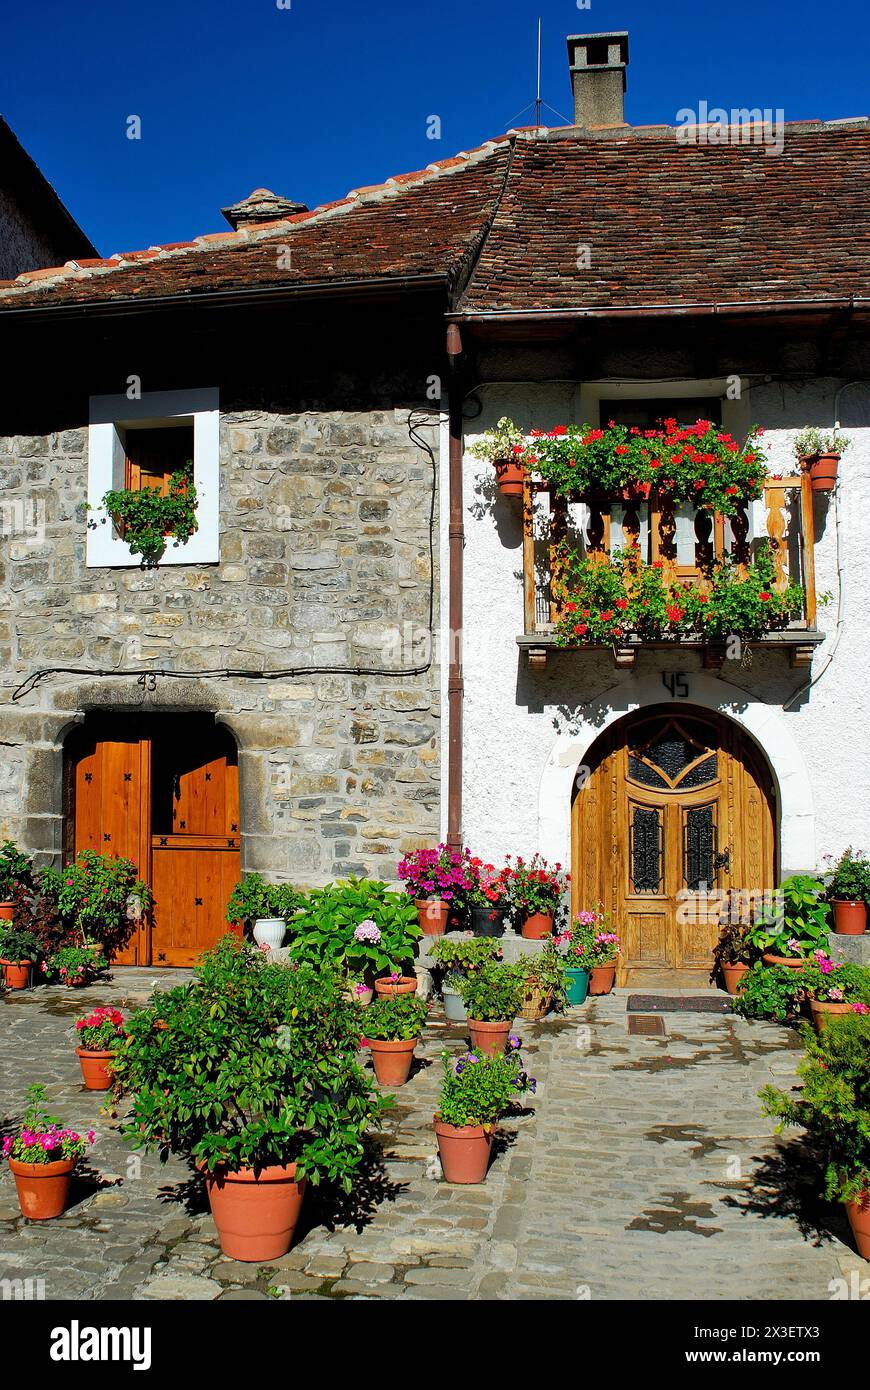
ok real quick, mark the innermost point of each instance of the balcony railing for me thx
(684, 540)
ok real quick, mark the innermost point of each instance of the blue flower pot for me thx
(578, 985)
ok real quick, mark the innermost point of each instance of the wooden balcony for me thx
(686, 542)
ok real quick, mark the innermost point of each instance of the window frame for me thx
(109, 417)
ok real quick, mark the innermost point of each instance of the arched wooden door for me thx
(677, 808)
(162, 790)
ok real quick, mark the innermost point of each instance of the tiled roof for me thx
(510, 227)
(423, 224)
(671, 223)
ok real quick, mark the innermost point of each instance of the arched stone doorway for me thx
(674, 808)
(162, 790)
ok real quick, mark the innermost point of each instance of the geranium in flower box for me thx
(42, 1156)
(100, 1033)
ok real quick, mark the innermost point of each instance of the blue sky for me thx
(329, 95)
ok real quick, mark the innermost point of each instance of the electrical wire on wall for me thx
(147, 676)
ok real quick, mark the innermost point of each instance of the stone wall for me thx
(325, 566)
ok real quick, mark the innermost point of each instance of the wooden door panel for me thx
(646, 936)
(191, 887)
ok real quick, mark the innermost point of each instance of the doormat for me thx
(678, 1004)
(652, 1027)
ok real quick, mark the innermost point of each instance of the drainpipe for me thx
(456, 535)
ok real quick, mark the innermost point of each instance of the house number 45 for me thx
(677, 683)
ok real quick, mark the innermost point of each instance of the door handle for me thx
(723, 860)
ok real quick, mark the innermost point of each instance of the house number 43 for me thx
(677, 683)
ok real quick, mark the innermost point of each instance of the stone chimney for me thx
(261, 206)
(598, 63)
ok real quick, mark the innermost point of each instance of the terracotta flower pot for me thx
(489, 1038)
(16, 974)
(537, 926)
(6, 912)
(859, 1219)
(432, 914)
(823, 1008)
(464, 1151)
(793, 962)
(256, 1215)
(43, 1188)
(823, 472)
(510, 476)
(93, 1064)
(601, 978)
(392, 1060)
(850, 918)
(536, 1001)
(733, 974)
(406, 984)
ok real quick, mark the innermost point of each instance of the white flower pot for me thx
(270, 931)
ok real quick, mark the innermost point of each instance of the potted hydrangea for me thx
(100, 1034)
(41, 1157)
(360, 927)
(493, 997)
(476, 1090)
(393, 1026)
(434, 878)
(848, 891)
(834, 1109)
(537, 890)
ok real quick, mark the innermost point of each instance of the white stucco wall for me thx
(525, 732)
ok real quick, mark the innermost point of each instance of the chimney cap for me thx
(261, 206)
(608, 50)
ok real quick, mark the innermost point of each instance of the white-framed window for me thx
(139, 444)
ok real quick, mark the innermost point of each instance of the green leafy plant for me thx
(850, 878)
(504, 442)
(603, 599)
(811, 442)
(834, 1105)
(794, 921)
(395, 1018)
(42, 1138)
(546, 971)
(147, 519)
(17, 946)
(833, 982)
(492, 994)
(698, 463)
(732, 948)
(770, 991)
(464, 953)
(252, 1064)
(15, 870)
(73, 963)
(99, 898)
(477, 1090)
(356, 924)
(252, 898)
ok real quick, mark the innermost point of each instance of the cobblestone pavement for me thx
(643, 1169)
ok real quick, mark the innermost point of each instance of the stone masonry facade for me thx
(326, 564)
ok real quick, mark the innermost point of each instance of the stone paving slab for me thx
(643, 1169)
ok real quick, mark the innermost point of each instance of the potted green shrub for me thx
(459, 956)
(536, 891)
(41, 1157)
(732, 955)
(792, 923)
(476, 1090)
(820, 453)
(834, 988)
(359, 927)
(74, 966)
(393, 1026)
(544, 982)
(19, 951)
(100, 899)
(834, 1109)
(100, 1034)
(504, 447)
(252, 1074)
(493, 997)
(848, 890)
(15, 872)
(770, 991)
(265, 909)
